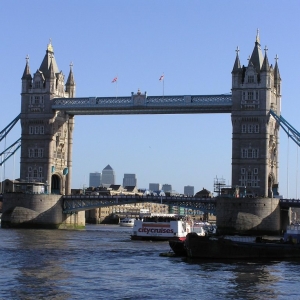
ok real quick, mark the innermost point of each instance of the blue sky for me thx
(192, 42)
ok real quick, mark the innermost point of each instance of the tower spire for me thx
(237, 64)
(257, 36)
(276, 69)
(257, 56)
(70, 84)
(265, 65)
(26, 73)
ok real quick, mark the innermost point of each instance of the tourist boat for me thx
(127, 222)
(240, 247)
(161, 227)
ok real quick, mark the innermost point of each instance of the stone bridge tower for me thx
(46, 138)
(255, 90)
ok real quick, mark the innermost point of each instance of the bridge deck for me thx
(82, 202)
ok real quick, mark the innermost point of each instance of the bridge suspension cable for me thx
(287, 127)
(8, 128)
(11, 150)
(295, 136)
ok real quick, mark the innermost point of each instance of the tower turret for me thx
(70, 85)
(26, 78)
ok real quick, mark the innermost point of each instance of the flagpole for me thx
(117, 87)
(163, 84)
(162, 78)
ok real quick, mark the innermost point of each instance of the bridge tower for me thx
(255, 90)
(46, 138)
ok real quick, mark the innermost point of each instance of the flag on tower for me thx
(115, 80)
(161, 77)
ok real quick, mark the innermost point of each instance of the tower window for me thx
(244, 128)
(251, 79)
(37, 84)
(249, 152)
(250, 95)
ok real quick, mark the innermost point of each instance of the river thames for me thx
(101, 262)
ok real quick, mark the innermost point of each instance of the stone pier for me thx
(258, 216)
(38, 211)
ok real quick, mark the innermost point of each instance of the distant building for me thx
(204, 193)
(154, 186)
(167, 187)
(95, 179)
(188, 190)
(108, 176)
(129, 180)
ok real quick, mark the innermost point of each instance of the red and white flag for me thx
(161, 77)
(115, 80)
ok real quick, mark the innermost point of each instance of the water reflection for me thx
(36, 261)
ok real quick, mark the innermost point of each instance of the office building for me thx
(129, 180)
(108, 176)
(167, 187)
(188, 190)
(154, 187)
(95, 179)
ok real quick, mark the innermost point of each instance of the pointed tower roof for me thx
(26, 73)
(237, 64)
(108, 167)
(70, 80)
(276, 70)
(257, 57)
(51, 73)
(265, 66)
(48, 59)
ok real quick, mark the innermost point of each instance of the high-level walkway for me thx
(143, 104)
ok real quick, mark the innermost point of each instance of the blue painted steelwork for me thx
(8, 128)
(287, 127)
(11, 150)
(75, 203)
(143, 104)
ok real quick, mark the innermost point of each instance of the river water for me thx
(101, 262)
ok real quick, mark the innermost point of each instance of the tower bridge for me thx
(49, 106)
